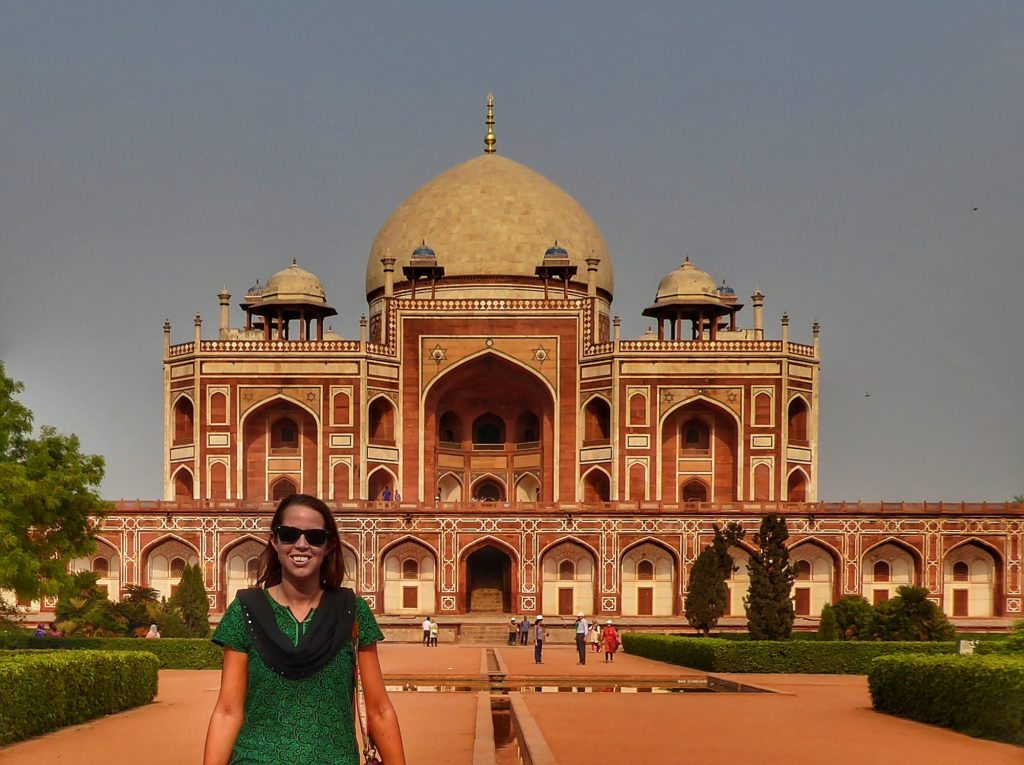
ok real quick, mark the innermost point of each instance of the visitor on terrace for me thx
(295, 649)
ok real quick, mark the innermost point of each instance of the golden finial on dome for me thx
(489, 139)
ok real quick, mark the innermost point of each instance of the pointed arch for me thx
(488, 541)
(496, 354)
(597, 419)
(401, 592)
(449, 487)
(184, 419)
(528, 488)
(798, 413)
(160, 577)
(649, 597)
(980, 594)
(694, 490)
(595, 485)
(184, 484)
(821, 587)
(724, 449)
(577, 593)
(253, 479)
(382, 416)
(378, 479)
(797, 481)
(486, 480)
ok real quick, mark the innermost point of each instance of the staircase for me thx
(484, 633)
(487, 600)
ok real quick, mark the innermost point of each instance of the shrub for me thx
(978, 695)
(853, 617)
(910, 616)
(44, 691)
(827, 629)
(172, 653)
(770, 656)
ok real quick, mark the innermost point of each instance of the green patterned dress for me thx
(308, 721)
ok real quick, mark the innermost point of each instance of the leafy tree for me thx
(49, 499)
(83, 608)
(191, 602)
(707, 593)
(911, 616)
(1019, 498)
(827, 628)
(136, 607)
(768, 604)
(854, 616)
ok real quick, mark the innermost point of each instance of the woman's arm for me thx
(381, 719)
(226, 720)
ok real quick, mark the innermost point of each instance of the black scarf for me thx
(329, 631)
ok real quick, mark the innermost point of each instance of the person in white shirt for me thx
(538, 640)
(426, 630)
(581, 638)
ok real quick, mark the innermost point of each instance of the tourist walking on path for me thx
(426, 630)
(513, 631)
(294, 648)
(581, 637)
(524, 631)
(434, 629)
(595, 638)
(611, 641)
(538, 641)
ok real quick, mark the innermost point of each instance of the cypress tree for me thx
(191, 602)
(768, 605)
(827, 627)
(706, 593)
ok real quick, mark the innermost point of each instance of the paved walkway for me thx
(816, 719)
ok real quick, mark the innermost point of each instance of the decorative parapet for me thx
(788, 509)
(490, 304)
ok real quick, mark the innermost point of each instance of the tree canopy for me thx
(49, 499)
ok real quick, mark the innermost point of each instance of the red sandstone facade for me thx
(491, 443)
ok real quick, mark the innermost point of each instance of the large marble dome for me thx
(490, 217)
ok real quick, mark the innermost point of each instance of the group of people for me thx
(430, 630)
(598, 637)
(43, 631)
(586, 632)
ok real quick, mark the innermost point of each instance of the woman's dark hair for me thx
(332, 570)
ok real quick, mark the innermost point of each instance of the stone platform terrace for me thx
(812, 718)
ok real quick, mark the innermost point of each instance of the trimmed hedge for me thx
(172, 653)
(46, 690)
(772, 656)
(977, 695)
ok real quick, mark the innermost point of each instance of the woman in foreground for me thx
(286, 692)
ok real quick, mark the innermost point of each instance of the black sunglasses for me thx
(289, 535)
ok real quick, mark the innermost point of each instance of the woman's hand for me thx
(229, 712)
(381, 719)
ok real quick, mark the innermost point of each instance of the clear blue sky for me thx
(830, 153)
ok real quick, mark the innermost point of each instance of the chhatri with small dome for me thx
(491, 443)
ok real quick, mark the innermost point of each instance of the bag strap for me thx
(370, 755)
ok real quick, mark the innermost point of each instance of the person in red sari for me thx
(610, 638)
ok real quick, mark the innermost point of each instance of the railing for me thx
(262, 346)
(816, 509)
